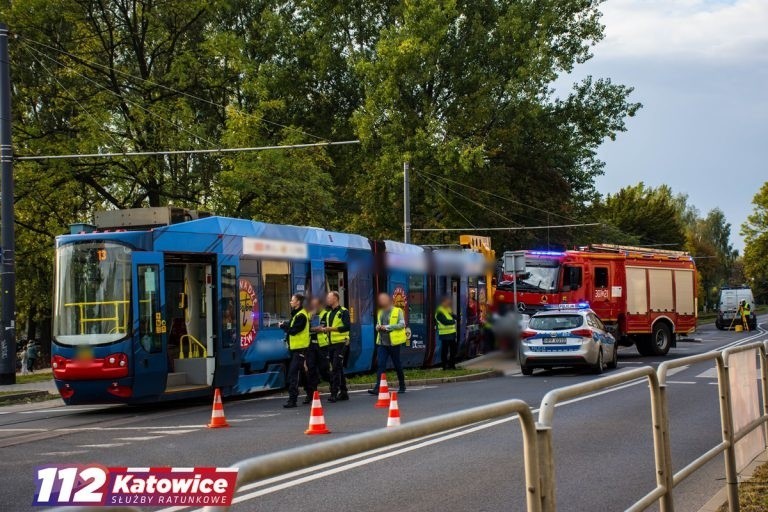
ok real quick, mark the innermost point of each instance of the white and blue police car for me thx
(567, 335)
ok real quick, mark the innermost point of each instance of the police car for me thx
(567, 335)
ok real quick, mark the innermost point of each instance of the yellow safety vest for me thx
(338, 337)
(322, 337)
(442, 329)
(301, 340)
(395, 337)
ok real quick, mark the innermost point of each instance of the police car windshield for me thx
(540, 276)
(556, 322)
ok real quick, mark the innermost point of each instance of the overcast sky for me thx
(700, 68)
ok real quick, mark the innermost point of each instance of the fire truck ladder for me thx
(642, 251)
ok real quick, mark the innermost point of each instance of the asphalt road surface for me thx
(603, 445)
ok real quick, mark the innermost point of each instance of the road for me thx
(602, 444)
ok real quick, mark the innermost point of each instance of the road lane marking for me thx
(104, 445)
(681, 382)
(679, 369)
(709, 373)
(63, 454)
(441, 437)
(172, 432)
(138, 438)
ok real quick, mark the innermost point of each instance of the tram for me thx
(163, 303)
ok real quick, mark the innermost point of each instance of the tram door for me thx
(227, 347)
(336, 280)
(150, 361)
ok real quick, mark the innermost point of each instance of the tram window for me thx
(601, 277)
(473, 308)
(230, 333)
(416, 314)
(277, 292)
(150, 316)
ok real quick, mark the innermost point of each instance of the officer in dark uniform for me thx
(298, 343)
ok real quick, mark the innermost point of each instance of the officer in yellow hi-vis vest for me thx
(390, 337)
(337, 330)
(317, 355)
(298, 343)
(446, 330)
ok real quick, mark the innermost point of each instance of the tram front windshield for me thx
(93, 290)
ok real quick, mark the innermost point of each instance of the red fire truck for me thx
(644, 296)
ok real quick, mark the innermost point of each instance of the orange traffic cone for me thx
(394, 412)
(218, 420)
(316, 418)
(383, 401)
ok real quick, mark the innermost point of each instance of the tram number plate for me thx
(84, 354)
(553, 341)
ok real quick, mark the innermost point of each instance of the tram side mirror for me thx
(182, 300)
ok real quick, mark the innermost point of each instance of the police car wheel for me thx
(526, 370)
(614, 362)
(599, 364)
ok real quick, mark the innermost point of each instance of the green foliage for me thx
(642, 215)
(460, 88)
(755, 232)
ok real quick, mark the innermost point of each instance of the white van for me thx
(729, 307)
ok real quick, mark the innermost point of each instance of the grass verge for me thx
(34, 377)
(711, 316)
(417, 375)
(753, 494)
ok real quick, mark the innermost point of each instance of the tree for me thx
(644, 216)
(755, 232)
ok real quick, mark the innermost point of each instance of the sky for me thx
(700, 69)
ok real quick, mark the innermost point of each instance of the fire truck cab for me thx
(644, 296)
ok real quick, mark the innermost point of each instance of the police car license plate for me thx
(553, 341)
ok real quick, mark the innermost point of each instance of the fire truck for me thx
(646, 297)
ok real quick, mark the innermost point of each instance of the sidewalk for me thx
(43, 385)
(502, 361)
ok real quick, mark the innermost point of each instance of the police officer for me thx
(446, 330)
(317, 355)
(390, 337)
(337, 330)
(298, 343)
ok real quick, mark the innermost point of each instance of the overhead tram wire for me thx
(512, 228)
(167, 88)
(186, 151)
(66, 90)
(437, 191)
(107, 89)
(543, 210)
(468, 198)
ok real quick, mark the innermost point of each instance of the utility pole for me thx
(407, 202)
(7, 266)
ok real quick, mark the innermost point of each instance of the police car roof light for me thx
(579, 305)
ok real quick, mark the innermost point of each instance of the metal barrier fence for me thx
(275, 464)
(538, 456)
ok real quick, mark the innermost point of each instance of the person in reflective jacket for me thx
(446, 330)
(298, 343)
(317, 355)
(337, 330)
(390, 337)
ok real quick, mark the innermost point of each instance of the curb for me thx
(721, 498)
(23, 397)
(427, 382)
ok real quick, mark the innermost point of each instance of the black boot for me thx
(307, 400)
(290, 404)
(332, 399)
(343, 396)
(373, 391)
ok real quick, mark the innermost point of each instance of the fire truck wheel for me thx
(599, 364)
(661, 339)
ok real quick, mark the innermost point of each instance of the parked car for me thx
(567, 335)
